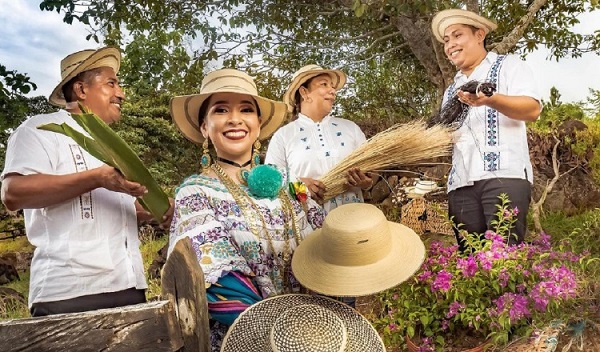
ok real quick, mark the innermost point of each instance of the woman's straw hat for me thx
(304, 74)
(185, 108)
(447, 18)
(301, 323)
(357, 253)
(82, 61)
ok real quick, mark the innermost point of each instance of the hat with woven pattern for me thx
(300, 323)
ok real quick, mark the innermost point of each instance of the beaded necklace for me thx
(254, 216)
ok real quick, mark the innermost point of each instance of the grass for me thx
(19, 244)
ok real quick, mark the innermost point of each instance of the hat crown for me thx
(308, 327)
(72, 61)
(228, 80)
(311, 67)
(355, 235)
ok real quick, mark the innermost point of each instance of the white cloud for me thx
(573, 77)
(35, 41)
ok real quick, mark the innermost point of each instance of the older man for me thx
(80, 214)
(491, 154)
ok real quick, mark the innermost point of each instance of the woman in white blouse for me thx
(315, 141)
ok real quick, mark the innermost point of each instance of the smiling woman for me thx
(243, 237)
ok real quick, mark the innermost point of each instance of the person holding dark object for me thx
(81, 214)
(490, 155)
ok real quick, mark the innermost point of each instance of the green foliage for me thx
(492, 292)
(147, 128)
(384, 46)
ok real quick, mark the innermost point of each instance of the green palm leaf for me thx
(107, 146)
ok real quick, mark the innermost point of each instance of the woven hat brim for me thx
(105, 57)
(338, 79)
(313, 271)
(250, 331)
(446, 18)
(185, 110)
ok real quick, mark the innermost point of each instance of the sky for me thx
(33, 42)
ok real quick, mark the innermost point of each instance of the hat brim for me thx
(310, 266)
(104, 57)
(250, 331)
(338, 79)
(185, 110)
(446, 18)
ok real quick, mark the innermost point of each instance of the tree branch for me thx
(509, 41)
(536, 207)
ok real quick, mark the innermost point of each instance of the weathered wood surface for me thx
(143, 327)
(183, 283)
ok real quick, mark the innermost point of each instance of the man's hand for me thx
(143, 215)
(315, 187)
(112, 179)
(472, 99)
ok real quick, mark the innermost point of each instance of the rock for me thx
(8, 273)
(380, 191)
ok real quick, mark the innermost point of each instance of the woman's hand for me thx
(315, 187)
(357, 178)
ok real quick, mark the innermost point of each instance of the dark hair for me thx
(204, 110)
(85, 76)
(474, 30)
(298, 97)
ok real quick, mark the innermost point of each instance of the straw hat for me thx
(447, 18)
(357, 252)
(421, 188)
(82, 61)
(304, 74)
(185, 108)
(300, 323)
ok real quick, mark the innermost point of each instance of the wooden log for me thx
(183, 283)
(143, 327)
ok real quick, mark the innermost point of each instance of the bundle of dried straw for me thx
(400, 144)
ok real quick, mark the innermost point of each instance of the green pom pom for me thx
(264, 181)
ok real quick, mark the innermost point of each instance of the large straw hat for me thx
(304, 74)
(357, 253)
(301, 323)
(447, 18)
(185, 108)
(82, 61)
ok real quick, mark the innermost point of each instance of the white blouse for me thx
(306, 148)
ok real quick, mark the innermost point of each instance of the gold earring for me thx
(205, 159)
(256, 153)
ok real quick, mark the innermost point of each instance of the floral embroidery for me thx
(492, 161)
(221, 237)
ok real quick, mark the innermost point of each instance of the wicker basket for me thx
(424, 216)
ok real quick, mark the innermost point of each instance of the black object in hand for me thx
(454, 112)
